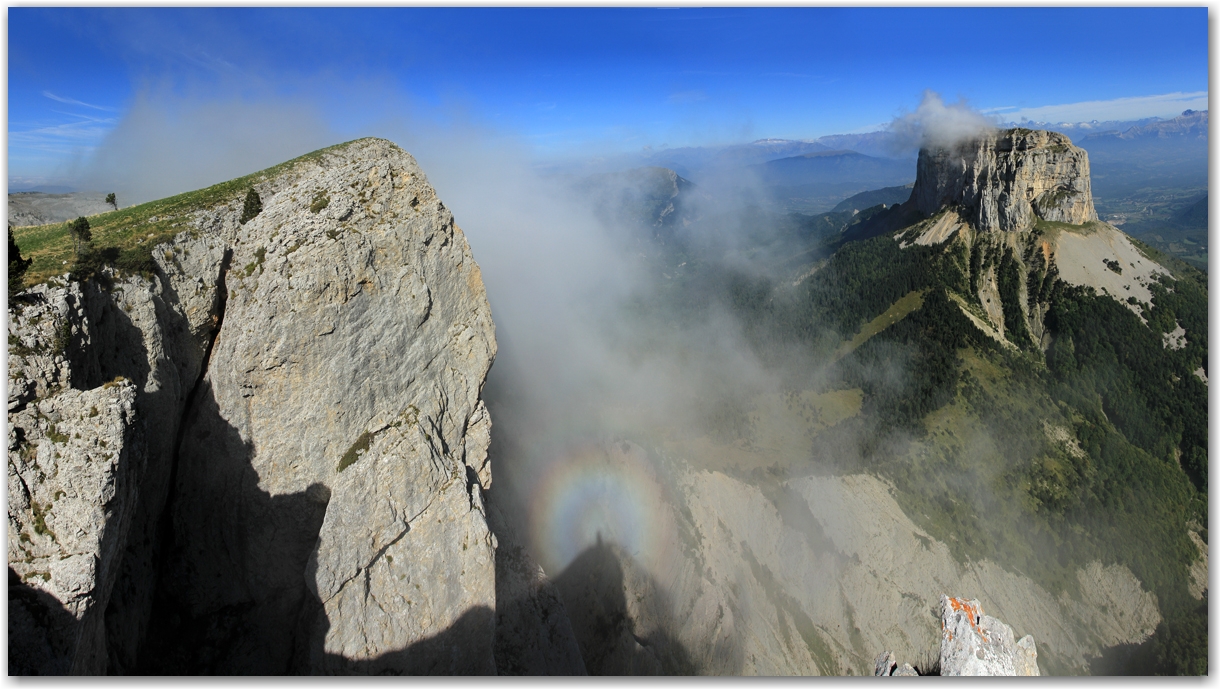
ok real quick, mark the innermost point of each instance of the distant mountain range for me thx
(1164, 153)
(813, 175)
(1190, 124)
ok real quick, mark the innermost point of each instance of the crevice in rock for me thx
(222, 302)
(164, 533)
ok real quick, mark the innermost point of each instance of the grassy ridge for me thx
(139, 227)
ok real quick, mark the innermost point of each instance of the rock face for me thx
(295, 457)
(533, 633)
(971, 644)
(1007, 180)
(808, 576)
(151, 333)
(653, 198)
(72, 482)
(976, 644)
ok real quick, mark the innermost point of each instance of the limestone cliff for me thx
(1018, 205)
(1006, 180)
(269, 455)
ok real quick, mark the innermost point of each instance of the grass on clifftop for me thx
(139, 227)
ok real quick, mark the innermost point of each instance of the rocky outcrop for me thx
(73, 472)
(1005, 181)
(802, 576)
(70, 336)
(887, 666)
(533, 633)
(972, 644)
(976, 644)
(297, 451)
(654, 199)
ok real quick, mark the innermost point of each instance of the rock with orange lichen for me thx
(973, 643)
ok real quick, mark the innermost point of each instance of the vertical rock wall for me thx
(1007, 180)
(294, 478)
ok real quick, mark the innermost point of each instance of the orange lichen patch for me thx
(973, 614)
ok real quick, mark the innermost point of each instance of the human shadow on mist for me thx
(594, 588)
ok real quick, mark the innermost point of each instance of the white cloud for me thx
(167, 143)
(937, 123)
(1132, 108)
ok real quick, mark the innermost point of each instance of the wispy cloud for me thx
(73, 101)
(47, 148)
(209, 62)
(61, 136)
(1131, 108)
(937, 123)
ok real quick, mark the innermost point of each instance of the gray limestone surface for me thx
(338, 440)
(72, 481)
(38, 208)
(291, 473)
(977, 644)
(1006, 180)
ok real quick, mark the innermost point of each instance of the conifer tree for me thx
(252, 207)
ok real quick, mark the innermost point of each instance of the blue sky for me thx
(580, 81)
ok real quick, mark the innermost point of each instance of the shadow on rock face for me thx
(232, 597)
(440, 654)
(40, 630)
(615, 638)
(231, 594)
(533, 632)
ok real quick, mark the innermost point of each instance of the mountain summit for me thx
(1007, 180)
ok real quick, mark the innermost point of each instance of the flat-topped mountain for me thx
(1007, 180)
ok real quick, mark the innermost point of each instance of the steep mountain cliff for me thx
(1007, 180)
(266, 451)
(995, 402)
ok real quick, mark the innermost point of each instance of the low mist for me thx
(168, 143)
(612, 326)
(937, 124)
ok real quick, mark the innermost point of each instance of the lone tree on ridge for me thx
(81, 235)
